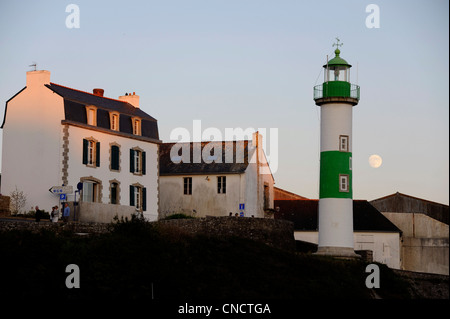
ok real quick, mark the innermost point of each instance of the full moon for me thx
(375, 161)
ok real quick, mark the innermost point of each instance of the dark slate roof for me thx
(74, 108)
(237, 164)
(304, 215)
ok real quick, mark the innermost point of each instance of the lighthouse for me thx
(336, 98)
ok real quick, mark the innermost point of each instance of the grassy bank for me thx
(138, 260)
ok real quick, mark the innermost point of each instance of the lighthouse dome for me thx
(337, 60)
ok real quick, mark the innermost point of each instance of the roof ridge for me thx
(410, 196)
(104, 97)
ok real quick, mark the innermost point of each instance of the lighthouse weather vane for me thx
(338, 44)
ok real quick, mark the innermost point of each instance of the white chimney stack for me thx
(38, 78)
(131, 98)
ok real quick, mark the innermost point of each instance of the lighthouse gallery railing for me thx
(336, 89)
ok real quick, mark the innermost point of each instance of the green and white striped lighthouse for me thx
(336, 98)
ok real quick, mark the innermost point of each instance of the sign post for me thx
(57, 190)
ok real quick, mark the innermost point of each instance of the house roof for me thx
(76, 100)
(234, 158)
(304, 214)
(280, 193)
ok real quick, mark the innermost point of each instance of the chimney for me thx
(99, 92)
(38, 78)
(133, 99)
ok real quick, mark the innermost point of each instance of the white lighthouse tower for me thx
(336, 98)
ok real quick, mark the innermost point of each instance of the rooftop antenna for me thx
(34, 64)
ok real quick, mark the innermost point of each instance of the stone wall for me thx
(4, 205)
(275, 233)
(91, 228)
(101, 213)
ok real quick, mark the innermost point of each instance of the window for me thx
(115, 157)
(138, 197)
(343, 183)
(266, 197)
(91, 152)
(221, 184)
(187, 185)
(114, 120)
(136, 126)
(90, 191)
(137, 161)
(114, 193)
(91, 113)
(343, 143)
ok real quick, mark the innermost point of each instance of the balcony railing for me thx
(336, 89)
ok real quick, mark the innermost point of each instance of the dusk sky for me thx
(253, 64)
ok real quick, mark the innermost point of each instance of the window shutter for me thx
(97, 155)
(143, 162)
(85, 151)
(144, 199)
(132, 195)
(131, 161)
(224, 184)
(115, 157)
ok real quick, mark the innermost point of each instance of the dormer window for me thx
(91, 114)
(136, 126)
(114, 121)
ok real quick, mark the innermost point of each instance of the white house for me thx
(371, 230)
(54, 135)
(215, 179)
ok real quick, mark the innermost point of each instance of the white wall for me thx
(385, 246)
(336, 119)
(425, 246)
(78, 170)
(31, 142)
(335, 222)
(204, 199)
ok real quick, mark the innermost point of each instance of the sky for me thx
(253, 64)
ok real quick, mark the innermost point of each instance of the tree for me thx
(18, 200)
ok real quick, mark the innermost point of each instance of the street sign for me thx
(61, 190)
(241, 206)
(62, 196)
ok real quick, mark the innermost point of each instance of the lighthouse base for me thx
(337, 252)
